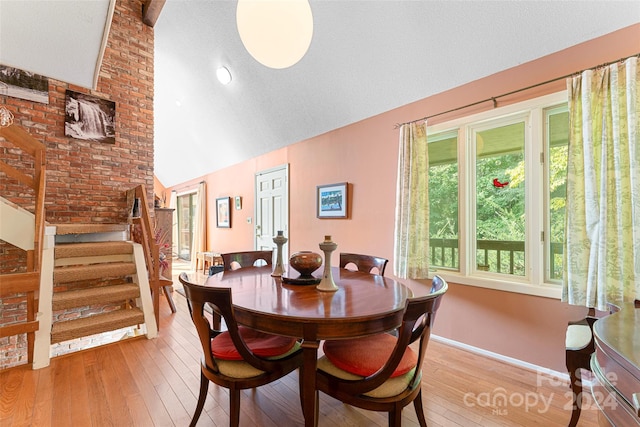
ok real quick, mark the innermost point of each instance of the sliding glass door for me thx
(186, 217)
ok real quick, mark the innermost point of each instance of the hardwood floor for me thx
(142, 382)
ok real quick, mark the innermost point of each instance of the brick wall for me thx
(86, 180)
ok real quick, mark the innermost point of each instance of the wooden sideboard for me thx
(616, 367)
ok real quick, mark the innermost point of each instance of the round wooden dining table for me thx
(364, 304)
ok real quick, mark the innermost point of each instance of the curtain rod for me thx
(186, 187)
(495, 98)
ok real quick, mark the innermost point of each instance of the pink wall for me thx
(365, 155)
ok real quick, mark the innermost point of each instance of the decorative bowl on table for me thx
(305, 263)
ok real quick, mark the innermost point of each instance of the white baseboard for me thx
(510, 360)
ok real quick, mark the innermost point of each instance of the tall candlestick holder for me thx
(278, 268)
(327, 284)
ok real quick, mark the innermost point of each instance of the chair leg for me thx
(204, 387)
(417, 404)
(575, 376)
(317, 407)
(167, 294)
(234, 414)
(395, 416)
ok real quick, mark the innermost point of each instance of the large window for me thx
(500, 219)
(496, 196)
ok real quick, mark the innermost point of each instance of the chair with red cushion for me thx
(366, 263)
(381, 372)
(238, 358)
(235, 260)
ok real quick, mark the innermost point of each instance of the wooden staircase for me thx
(25, 230)
(99, 280)
(80, 279)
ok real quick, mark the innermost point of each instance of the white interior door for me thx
(272, 207)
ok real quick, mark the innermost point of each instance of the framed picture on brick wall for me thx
(23, 84)
(90, 118)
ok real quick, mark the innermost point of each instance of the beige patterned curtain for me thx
(411, 243)
(173, 204)
(199, 225)
(602, 233)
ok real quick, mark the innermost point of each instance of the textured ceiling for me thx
(365, 58)
(61, 39)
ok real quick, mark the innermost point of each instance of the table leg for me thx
(308, 382)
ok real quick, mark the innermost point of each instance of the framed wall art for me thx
(223, 212)
(90, 118)
(332, 200)
(23, 84)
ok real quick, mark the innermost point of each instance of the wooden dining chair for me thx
(235, 260)
(381, 372)
(579, 346)
(365, 263)
(238, 358)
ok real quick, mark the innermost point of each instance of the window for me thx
(496, 196)
(443, 200)
(557, 145)
(500, 219)
(186, 216)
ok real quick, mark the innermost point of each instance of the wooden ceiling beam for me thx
(151, 11)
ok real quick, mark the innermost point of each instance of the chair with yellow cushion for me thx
(238, 358)
(579, 346)
(381, 372)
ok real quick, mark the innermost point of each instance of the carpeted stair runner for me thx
(85, 326)
(93, 273)
(86, 297)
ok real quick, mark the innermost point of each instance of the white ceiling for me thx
(366, 57)
(61, 39)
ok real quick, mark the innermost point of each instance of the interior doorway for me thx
(272, 207)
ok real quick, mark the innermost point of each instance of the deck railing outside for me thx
(498, 256)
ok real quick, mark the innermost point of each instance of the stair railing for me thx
(27, 283)
(144, 233)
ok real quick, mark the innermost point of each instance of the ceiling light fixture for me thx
(224, 75)
(277, 33)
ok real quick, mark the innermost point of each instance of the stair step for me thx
(85, 326)
(68, 250)
(93, 271)
(89, 228)
(100, 295)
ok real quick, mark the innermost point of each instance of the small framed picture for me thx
(238, 203)
(223, 212)
(332, 200)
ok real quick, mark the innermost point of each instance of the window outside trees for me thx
(497, 195)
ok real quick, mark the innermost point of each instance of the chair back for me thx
(235, 260)
(417, 322)
(364, 263)
(198, 297)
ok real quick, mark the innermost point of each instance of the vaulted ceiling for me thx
(365, 58)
